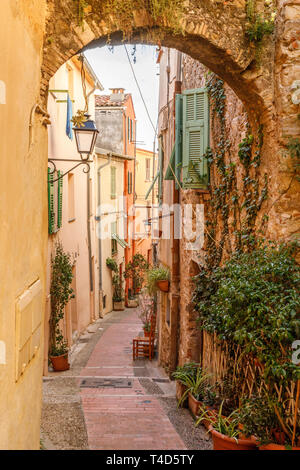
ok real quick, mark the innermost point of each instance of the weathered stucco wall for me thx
(24, 220)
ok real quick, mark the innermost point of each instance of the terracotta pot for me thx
(146, 333)
(222, 442)
(163, 285)
(276, 447)
(60, 363)
(180, 390)
(194, 405)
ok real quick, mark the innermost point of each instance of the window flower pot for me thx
(163, 285)
(119, 306)
(222, 442)
(60, 363)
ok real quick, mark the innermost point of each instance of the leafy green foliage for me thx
(226, 425)
(112, 264)
(253, 300)
(156, 274)
(135, 270)
(118, 291)
(260, 24)
(60, 292)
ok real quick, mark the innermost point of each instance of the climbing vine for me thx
(237, 209)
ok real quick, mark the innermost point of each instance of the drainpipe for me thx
(99, 231)
(175, 336)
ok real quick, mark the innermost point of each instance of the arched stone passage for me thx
(213, 33)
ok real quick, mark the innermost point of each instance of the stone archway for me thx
(213, 32)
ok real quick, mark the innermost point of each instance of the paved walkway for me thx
(107, 401)
(123, 418)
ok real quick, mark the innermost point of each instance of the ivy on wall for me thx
(236, 208)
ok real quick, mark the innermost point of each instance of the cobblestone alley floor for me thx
(108, 402)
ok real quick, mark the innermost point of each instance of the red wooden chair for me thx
(143, 346)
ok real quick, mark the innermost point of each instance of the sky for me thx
(113, 71)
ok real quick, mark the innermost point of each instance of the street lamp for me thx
(85, 136)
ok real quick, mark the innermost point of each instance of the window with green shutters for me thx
(51, 213)
(113, 182)
(55, 201)
(114, 244)
(160, 166)
(195, 138)
(59, 199)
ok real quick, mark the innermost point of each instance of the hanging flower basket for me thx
(163, 286)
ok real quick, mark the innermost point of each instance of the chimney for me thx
(117, 94)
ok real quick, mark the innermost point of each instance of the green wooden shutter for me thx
(171, 166)
(51, 217)
(113, 182)
(161, 174)
(178, 138)
(59, 198)
(195, 138)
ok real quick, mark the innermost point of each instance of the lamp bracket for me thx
(85, 162)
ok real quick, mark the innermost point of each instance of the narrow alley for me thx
(108, 402)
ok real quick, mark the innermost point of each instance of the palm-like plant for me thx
(226, 425)
(196, 385)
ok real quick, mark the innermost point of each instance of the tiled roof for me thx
(105, 100)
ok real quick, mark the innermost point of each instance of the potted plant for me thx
(196, 385)
(158, 278)
(147, 310)
(182, 374)
(265, 419)
(118, 293)
(135, 271)
(225, 431)
(60, 294)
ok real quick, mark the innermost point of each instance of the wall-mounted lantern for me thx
(86, 136)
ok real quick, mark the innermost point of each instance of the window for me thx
(71, 198)
(113, 181)
(195, 138)
(148, 171)
(129, 182)
(114, 243)
(55, 192)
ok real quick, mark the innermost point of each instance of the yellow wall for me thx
(23, 228)
(73, 233)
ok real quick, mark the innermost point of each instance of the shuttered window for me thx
(59, 199)
(161, 169)
(51, 213)
(129, 182)
(114, 244)
(113, 182)
(55, 201)
(195, 138)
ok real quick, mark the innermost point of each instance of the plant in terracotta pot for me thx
(147, 310)
(118, 293)
(225, 431)
(60, 294)
(265, 419)
(182, 374)
(196, 386)
(158, 278)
